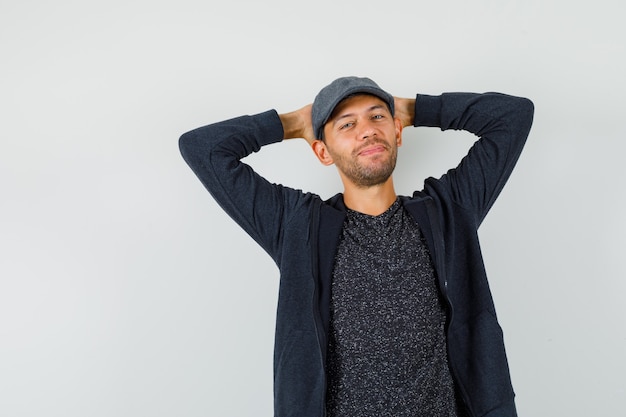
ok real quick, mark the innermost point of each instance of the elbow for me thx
(528, 106)
(187, 143)
(523, 112)
(527, 111)
(184, 141)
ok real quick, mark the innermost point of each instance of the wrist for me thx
(405, 110)
(292, 125)
(297, 124)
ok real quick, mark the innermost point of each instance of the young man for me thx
(384, 307)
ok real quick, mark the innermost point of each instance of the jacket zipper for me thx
(440, 250)
(315, 302)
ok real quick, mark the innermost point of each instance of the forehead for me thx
(357, 103)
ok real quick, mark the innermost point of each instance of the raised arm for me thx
(502, 123)
(214, 153)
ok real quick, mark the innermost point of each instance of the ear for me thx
(321, 151)
(398, 124)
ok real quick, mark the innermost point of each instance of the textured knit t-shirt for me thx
(387, 348)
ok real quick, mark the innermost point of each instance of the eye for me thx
(345, 126)
(378, 116)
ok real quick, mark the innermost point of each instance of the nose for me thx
(367, 130)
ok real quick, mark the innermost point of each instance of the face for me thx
(361, 139)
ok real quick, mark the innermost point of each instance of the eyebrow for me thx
(347, 115)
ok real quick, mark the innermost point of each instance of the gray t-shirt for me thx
(387, 347)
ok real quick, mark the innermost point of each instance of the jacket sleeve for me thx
(214, 153)
(501, 122)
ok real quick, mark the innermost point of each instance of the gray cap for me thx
(328, 98)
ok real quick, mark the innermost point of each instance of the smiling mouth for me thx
(370, 150)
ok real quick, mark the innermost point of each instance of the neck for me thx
(373, 200)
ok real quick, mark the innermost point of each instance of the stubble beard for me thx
(372, 173)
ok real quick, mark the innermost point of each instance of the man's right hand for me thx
(298, 124)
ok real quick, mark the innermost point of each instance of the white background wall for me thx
(124, 289)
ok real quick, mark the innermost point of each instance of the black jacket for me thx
(300, 232)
